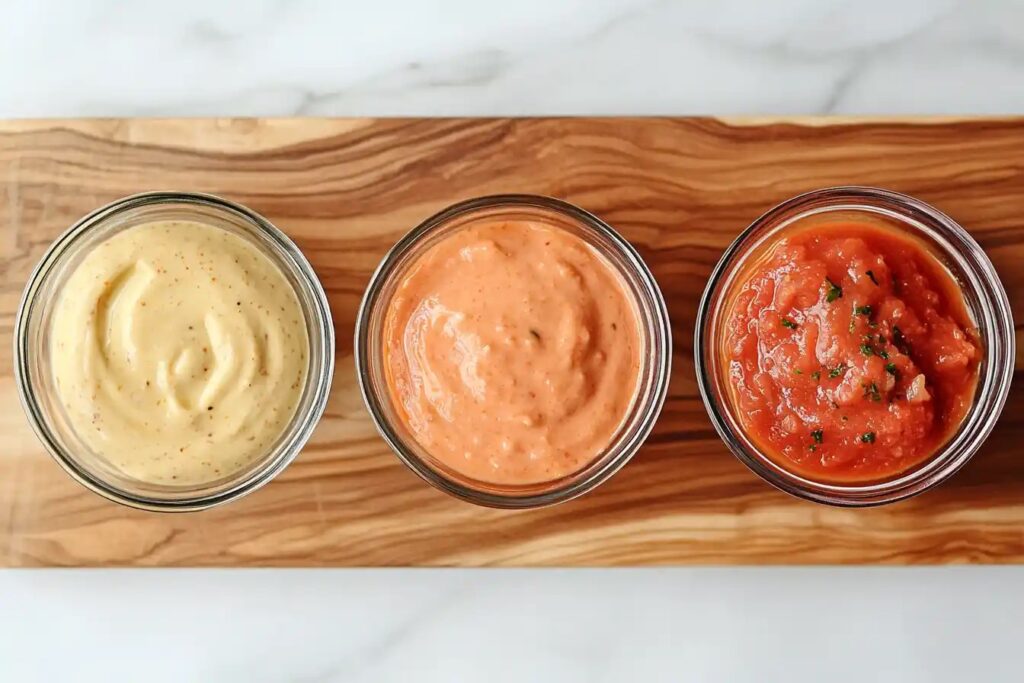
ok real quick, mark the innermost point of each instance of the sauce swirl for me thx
(179, 352)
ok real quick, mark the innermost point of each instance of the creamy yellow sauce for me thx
(179, 352)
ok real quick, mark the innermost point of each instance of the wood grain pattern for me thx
(680, 189)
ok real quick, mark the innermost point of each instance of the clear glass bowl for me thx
(986, 302)
(32, 349)
(656, 345)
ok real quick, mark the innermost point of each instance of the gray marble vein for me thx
(460, 57)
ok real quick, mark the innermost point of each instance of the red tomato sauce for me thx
(850, 353)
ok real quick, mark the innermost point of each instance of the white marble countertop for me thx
(203, 57)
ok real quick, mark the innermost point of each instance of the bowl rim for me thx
(652, 403)
(991, 392)
(319, 377)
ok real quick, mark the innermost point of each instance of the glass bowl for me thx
(656, 345)
(33, 364)
(986, 303)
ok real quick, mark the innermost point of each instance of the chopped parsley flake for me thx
(816, 374)
(867, 437)
(818, 435)
(891, 368)
(871, 391)
(832, 291)
(862, 310)
(867, 350)
(786, 322)
(837, 370)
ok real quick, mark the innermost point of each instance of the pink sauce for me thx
(512, 352)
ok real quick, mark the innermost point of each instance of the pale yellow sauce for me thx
(179, 352)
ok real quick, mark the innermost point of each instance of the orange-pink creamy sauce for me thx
(512, 352)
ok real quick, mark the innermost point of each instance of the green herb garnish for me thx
(891, 368)
(884, 354)
(872, 276)
(871, 391)
(862, 310)
(833, 291)
(867, 437)
(786, 322)
(797, 371)
(818, 435)
(837, 370)
(816, 374)
(867, 350)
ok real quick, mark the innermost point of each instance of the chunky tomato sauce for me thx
(849, 351)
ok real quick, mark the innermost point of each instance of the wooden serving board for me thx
(345, 190)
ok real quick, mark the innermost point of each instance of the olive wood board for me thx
(680, 189)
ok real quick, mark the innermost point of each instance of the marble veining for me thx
(309, 57)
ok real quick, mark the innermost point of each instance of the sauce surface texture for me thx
(179, 352)
(511, 352)
(849, 351)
